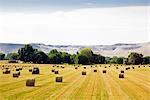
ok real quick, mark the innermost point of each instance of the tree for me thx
(98, 59)
(146, 60)
(13, 56)
(40, 58)
(65, 57)
(119, 60)
(135, 58)
(2, 56)
(55, 56)
(82, 59)
(88, 53)
(26, 53)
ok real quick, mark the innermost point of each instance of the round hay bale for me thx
(56, 72)
(59, 79)
(17, 69)
(121, 75)
(83, 72)
(53, 70)
(62, 67)
(35, 70)
(95, 70)
(30, 70)
(122, 71)
(132, 67)
(138, 66)
(6, 71)
(116, 67)
(105, 67)
(30, 82)
(76, 67)
(16, 74)
(104, 71)
(84, 67)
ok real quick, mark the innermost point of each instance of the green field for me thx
(75, 86)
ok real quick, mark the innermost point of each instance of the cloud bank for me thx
(86, 26)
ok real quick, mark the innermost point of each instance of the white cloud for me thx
(82, 26)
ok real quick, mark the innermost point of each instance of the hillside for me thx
(119, 49)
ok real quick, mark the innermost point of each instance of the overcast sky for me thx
(74, 22)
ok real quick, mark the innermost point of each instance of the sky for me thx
(74, 22)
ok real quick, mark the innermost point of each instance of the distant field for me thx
(75, 86)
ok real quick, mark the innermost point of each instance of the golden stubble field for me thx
(93, 86)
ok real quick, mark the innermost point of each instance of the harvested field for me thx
(74, 86)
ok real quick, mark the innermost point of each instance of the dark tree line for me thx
(85, 56)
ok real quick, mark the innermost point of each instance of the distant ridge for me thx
(119, 49)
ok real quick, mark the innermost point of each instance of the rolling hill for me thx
(120, 49)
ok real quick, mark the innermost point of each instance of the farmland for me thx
(93, 86)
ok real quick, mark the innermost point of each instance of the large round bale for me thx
(105, 66)
(116, 67)
(83, 72)
(132, 67)
(16, 74)
(138, 66)
(30, 70)
(121, 75)
(127, 68)
(62, 67)
(84, 67)
(53, 70)
(95, 70)
(30, 82)
(35, 70)
(17, 69)
(122, 71)
(76, 67)
(56, 72)
(6, 71)
(59, 79)
(104, 71)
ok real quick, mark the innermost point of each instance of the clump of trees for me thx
(84, 56)
(2, 56)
